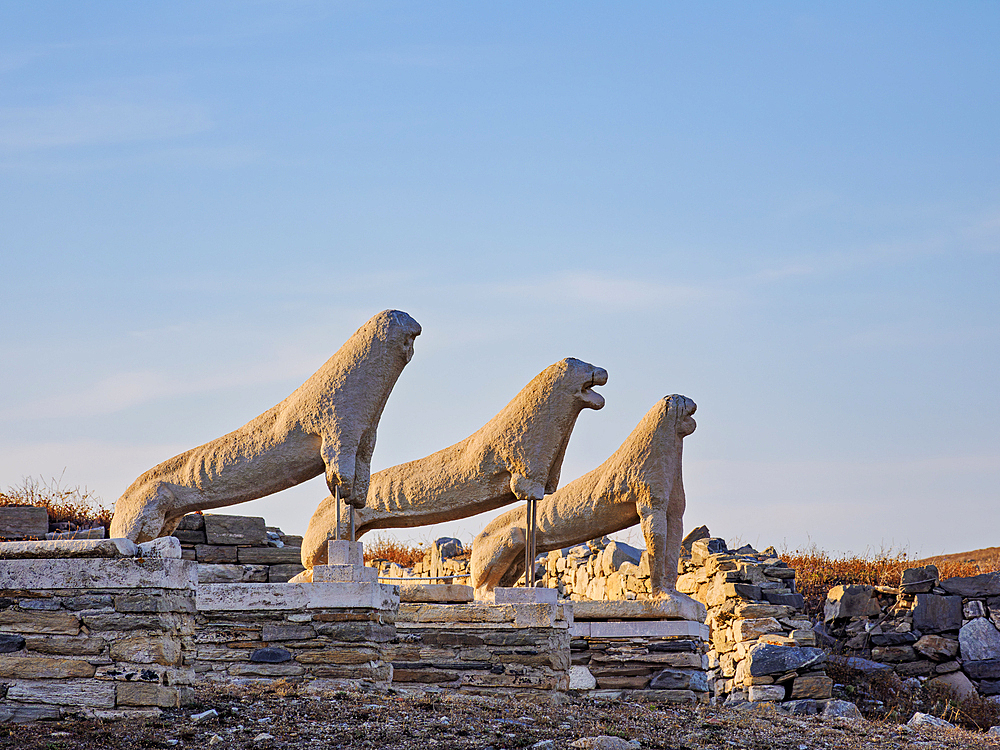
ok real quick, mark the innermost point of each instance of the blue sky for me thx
(789, 213)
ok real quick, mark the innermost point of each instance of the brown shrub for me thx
(386, 548)
(817, 571)
(79, 507)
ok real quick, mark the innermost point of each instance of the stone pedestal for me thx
(345, 563)
(521, 595)
(649, 650)
(324, 635)
(101, 638)
(483, 649)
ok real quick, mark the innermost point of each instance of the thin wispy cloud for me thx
(97, 121)
(599, 289)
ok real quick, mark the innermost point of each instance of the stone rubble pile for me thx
(940, 632)
(763, 647)
(446, 561)
(238, 549)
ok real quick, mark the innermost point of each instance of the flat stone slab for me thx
(640, 629)
(345, 573)
(674, 607)
(98, 573)
(221, 597)
(23, 520)
(521, 595)
(221, 529)
(68, 548)
(441, 593)
(480, 614)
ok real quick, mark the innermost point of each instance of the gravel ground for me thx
(261, 719)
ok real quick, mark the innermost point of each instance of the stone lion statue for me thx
(517, 455)
(326, 426)
(640, 483)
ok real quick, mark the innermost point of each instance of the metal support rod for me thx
(529, 547)
(336, 497)
(352, 524)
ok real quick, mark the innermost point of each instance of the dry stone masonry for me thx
(104, 638)
(321, 635)
(519, 649)
(939, 632)
(763, 647)
(238, 549)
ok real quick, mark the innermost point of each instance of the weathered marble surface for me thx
(640, 483)
(517, 455)
(327, 425)
(68, 548)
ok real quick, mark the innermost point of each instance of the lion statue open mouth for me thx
(515, 456)
(640, 483)
(327, 425)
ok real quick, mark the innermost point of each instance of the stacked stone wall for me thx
(238, 549)
(762, 647)
(319, 635)
(662, 661)
(95, 638)
(940, 632)
(511, 649)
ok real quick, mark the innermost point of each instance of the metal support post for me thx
(336, 497)
(529, 547)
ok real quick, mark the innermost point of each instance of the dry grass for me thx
(74, 505)
(817, 571)
(386, 548)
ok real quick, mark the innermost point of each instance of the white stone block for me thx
(344, 573)
(294, 596)
(344, 552)
(640, 629)
(521, 595)
(123, 573)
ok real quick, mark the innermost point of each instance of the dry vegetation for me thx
(386, 548)
(817, 571)
(277, 717)
(78, 507)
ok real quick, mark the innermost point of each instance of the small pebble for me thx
(205, 716)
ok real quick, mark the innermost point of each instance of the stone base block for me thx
(521, 595)
(344, 573)
(344, 552)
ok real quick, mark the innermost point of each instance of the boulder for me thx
(936, 647)
(765, 659)
(956, 682)
(580, 678)
(987, 669)
(838, 709)
(986, 584)
(927, 720)
(937, 614)
(693, 536)
(979, 639)
(866, 666)
(617, 553)
(448, 546)
(222, 529)
(919, 580)
(852, 600)
(702, 548)
(766, 693)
